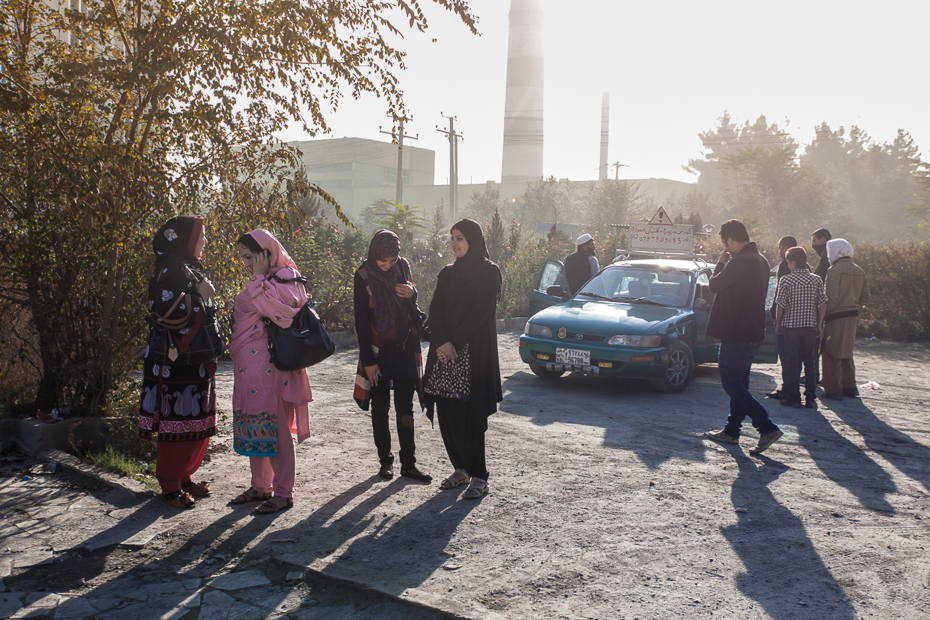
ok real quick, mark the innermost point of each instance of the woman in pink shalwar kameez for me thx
(269, 405)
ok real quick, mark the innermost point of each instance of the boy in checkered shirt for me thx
(800, 305)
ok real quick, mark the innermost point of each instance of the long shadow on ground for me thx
(783, 569)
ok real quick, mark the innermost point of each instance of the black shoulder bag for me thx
(305, 343)
(420, 321)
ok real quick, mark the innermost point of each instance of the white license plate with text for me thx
(576, 357)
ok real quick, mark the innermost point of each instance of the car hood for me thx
(608, 317)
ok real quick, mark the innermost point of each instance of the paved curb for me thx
(413, 597)
(124, 485)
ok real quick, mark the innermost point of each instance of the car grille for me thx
(573, 336)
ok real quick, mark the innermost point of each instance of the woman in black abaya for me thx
(462, 378)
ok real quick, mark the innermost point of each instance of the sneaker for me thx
(811, 404)
(775, 395)
(794, 404)
(722, 437)
(765, 441)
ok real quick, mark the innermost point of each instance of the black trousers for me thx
(463, 432)
(800, 344)
(380, 424)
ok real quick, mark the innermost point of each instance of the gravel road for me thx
(606, 502)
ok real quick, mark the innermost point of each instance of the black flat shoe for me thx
(416, 474)
(386, 472)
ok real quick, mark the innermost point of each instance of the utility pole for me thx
(617, 167)
(399, 138)
(453, 164)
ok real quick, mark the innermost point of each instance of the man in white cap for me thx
(581, 265)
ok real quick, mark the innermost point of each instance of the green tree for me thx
(118, 116)
(402, 219)
(483, 204)
(495, 236)
(612, 201)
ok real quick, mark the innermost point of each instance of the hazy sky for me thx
(671, 68)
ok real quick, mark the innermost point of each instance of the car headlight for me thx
(533, 329)
(636, 341)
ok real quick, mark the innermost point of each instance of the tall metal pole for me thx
(455, 188)
(453, 164)
(399, 194)
(400, 137)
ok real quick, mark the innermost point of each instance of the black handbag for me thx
(305, 343)
(420, 321)
(169, 346)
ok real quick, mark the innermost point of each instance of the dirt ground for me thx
(606, 502)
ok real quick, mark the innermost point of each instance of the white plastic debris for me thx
(871, 385)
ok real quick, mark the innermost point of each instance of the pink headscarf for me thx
(279, 256)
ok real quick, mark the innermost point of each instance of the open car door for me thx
(551, 274)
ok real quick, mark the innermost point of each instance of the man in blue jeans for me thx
(737, 318)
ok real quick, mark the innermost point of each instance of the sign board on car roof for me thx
(660, 235)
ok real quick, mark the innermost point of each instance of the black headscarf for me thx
(177, 239)
(468, 266)
(390, 316)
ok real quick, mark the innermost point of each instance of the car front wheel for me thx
(540, 371)
(678, 371)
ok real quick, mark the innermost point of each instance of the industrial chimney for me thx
(523, 107)
(605, 134)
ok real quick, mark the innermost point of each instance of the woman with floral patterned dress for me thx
(269, 405)
(184, 397)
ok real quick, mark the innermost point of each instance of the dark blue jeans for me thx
(734, 363)
(782, 354)
(800, 344)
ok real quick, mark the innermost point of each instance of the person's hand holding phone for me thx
(261, 263)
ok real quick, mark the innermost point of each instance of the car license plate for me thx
(576, 357)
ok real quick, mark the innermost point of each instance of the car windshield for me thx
(640, 284)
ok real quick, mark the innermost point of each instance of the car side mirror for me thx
(557, 290)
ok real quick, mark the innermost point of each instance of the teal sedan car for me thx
(643, 319)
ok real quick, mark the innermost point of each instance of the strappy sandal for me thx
(179, 499)
(249, 495)
(197, 489)
(268, 507)
(476, 489)
(458, 478)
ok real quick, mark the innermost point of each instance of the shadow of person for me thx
(844, 463)
(402, 554)
(907, 455)
(629, 411)
(782, 567)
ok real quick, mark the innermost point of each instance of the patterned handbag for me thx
(451, 379)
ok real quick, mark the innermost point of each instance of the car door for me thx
(768, 350)
(705, 347)
(551, 274)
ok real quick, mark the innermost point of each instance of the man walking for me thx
(784, 244)
(847, 290)
(581, 265)
(800, 307)
(737, 318)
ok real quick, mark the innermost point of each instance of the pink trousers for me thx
(277, 473)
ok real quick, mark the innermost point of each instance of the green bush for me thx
(898, 274)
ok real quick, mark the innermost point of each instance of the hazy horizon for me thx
(672, 69)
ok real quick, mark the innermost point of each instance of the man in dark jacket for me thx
(581, 265)
(819, 240)
(737, 317)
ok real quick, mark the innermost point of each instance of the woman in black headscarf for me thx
(178, 403)
(388, 350)
(462, 376)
